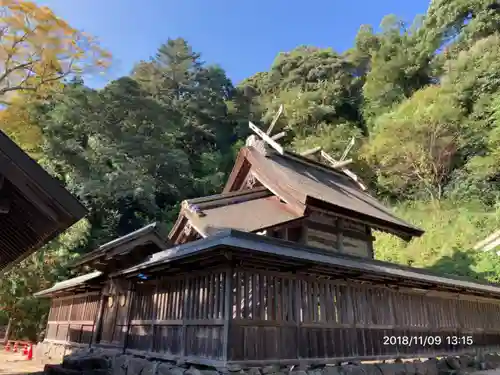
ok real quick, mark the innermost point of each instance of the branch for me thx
(13, 69)
(9, 57)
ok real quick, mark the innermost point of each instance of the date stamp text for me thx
(428, 341)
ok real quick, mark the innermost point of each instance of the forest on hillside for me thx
(422, 100)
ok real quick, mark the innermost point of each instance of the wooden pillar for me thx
(154, 313)
(130, 294)
(72, 299)
(97, 331)
(298, 305)
(185, 306)
(228, 311)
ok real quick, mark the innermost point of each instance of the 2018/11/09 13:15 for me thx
(428, 340)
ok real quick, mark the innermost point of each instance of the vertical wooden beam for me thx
(185, 304)
(69, 316)
(97, 331)
(298, 303)
(228, 312)
(130, 293)
(83, 312)
(154, 314)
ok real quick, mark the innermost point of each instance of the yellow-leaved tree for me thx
(39, 49)
(19, 125)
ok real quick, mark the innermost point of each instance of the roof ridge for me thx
(313, 163)
(147, 229)
(214, 197)
(224, 199)
(340, 171)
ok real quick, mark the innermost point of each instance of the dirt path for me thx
(15, 363)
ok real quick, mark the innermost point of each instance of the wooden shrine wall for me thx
(72, 319)
(256, 317)
(184, 316)
(286, 317)
(327, 231)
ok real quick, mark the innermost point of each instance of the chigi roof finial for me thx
(266, 139)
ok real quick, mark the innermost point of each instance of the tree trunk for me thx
(7, 331)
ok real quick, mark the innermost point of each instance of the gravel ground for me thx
(15, 363)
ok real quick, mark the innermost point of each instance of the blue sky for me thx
(242, 36)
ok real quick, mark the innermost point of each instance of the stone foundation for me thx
(85, 361)
(54, 352)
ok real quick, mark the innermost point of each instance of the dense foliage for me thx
(421, 100)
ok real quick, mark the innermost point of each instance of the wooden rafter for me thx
(266, 138)
(278, 136)
(348, 148)
(311, 151)
(275, 120)
(338, 165)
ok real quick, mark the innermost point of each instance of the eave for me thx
(265, 252)
(135, 246)
(37, 207)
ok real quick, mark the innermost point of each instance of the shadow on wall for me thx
(480, 266)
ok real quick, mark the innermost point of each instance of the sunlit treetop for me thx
(39, 49)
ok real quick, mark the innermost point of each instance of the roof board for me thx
(40, 207)
(297, 180)
(68, 284)
(151, 233)
(236, 240)
(248, 216)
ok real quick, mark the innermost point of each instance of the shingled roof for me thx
(35, 206)
(300, 182)
(249, 211)
(132, 247)
(77, 284)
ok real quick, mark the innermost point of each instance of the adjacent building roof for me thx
(79, 282)
(245, 246)
(135, 246)
(249, 210)
(300, 181)
(35, 206)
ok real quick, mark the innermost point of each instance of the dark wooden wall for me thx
(326, 231)
(255, 316)
(72, 318)
(287, 317)
(183, 316)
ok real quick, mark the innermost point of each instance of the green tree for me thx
(200, 96)
(41, 270)
(398, 68)
(116, 149)
(414, 148)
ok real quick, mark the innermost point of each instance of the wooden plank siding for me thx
(72, 319)
(181, 316)
(241, 314)
(115, 315)
(283, 317)
(326, 231)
